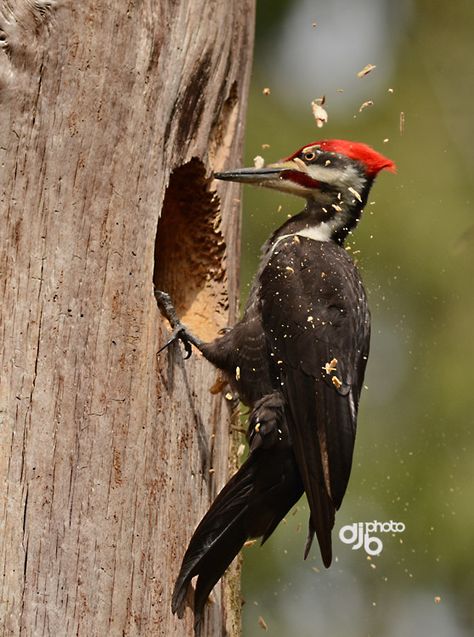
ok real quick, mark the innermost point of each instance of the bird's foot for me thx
(180, 331)
(267, 422)
(179, 334)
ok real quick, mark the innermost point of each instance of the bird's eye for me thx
(309, 156)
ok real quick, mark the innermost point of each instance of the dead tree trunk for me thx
(112, 116)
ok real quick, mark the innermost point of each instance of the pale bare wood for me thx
(109, 456)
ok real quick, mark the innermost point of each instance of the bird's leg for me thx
(180, 331)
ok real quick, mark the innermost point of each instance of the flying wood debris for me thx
(402, 122)
(262, 623)
(336, 382)
(258, 162)
(266, 91)
(365, 104)
(265, 146)
(319, 113)
(366, 70)
(354, 192)
(331, 366)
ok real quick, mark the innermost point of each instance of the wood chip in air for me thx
(331, 366)
(265, 146)
(240, 450)
(218, 385)
(237, 373)
(262, 623)
(249, 543)
(390, 90)
(437, 599)
(365, 105)
(402, 122)
(336, 382)
(258, 162)
(366, 70)
(355, 193)
(319, 113)
(266, 91)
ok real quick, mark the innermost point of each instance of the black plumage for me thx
(297, 358)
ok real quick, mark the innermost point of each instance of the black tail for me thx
(250, 505)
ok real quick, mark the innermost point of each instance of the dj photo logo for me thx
(358, 534)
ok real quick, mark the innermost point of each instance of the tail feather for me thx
(251, 505)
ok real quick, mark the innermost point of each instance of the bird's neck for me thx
(328, 216)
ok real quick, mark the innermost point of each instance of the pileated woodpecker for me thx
(297, 358)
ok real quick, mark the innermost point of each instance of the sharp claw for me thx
(179, 334)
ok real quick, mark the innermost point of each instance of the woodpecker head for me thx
(335, 166)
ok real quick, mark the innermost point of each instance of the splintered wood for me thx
(402, 122)
(365, 105)
(366, 70)
(319, 113)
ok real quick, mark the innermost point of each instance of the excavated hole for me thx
(190, 251)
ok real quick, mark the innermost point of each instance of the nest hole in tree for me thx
(190, 251)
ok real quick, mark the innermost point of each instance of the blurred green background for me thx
(415, 247)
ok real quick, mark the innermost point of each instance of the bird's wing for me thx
(315, 316)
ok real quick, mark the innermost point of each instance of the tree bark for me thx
(112, 117)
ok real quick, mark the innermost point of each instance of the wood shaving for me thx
(289, 269)
(265, 146)
(390, 90)
(355, 193)
(402, 122)
(258, 162)
(218, 385)
(262, 623)
(339, 90)
(366, 70)
(249, 543)
(237, 373)
(365, 105)
(386, 140)
(437, 599)
(336, 382)
(331, 366)
(266, 91)
(319, 113)
(240, 450)
(336, 207)
(300, 163)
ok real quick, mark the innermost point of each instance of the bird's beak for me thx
(259, 176)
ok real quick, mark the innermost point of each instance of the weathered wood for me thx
(110, 455)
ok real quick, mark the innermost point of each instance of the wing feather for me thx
(315, 316)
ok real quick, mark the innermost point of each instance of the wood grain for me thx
(109, 455)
